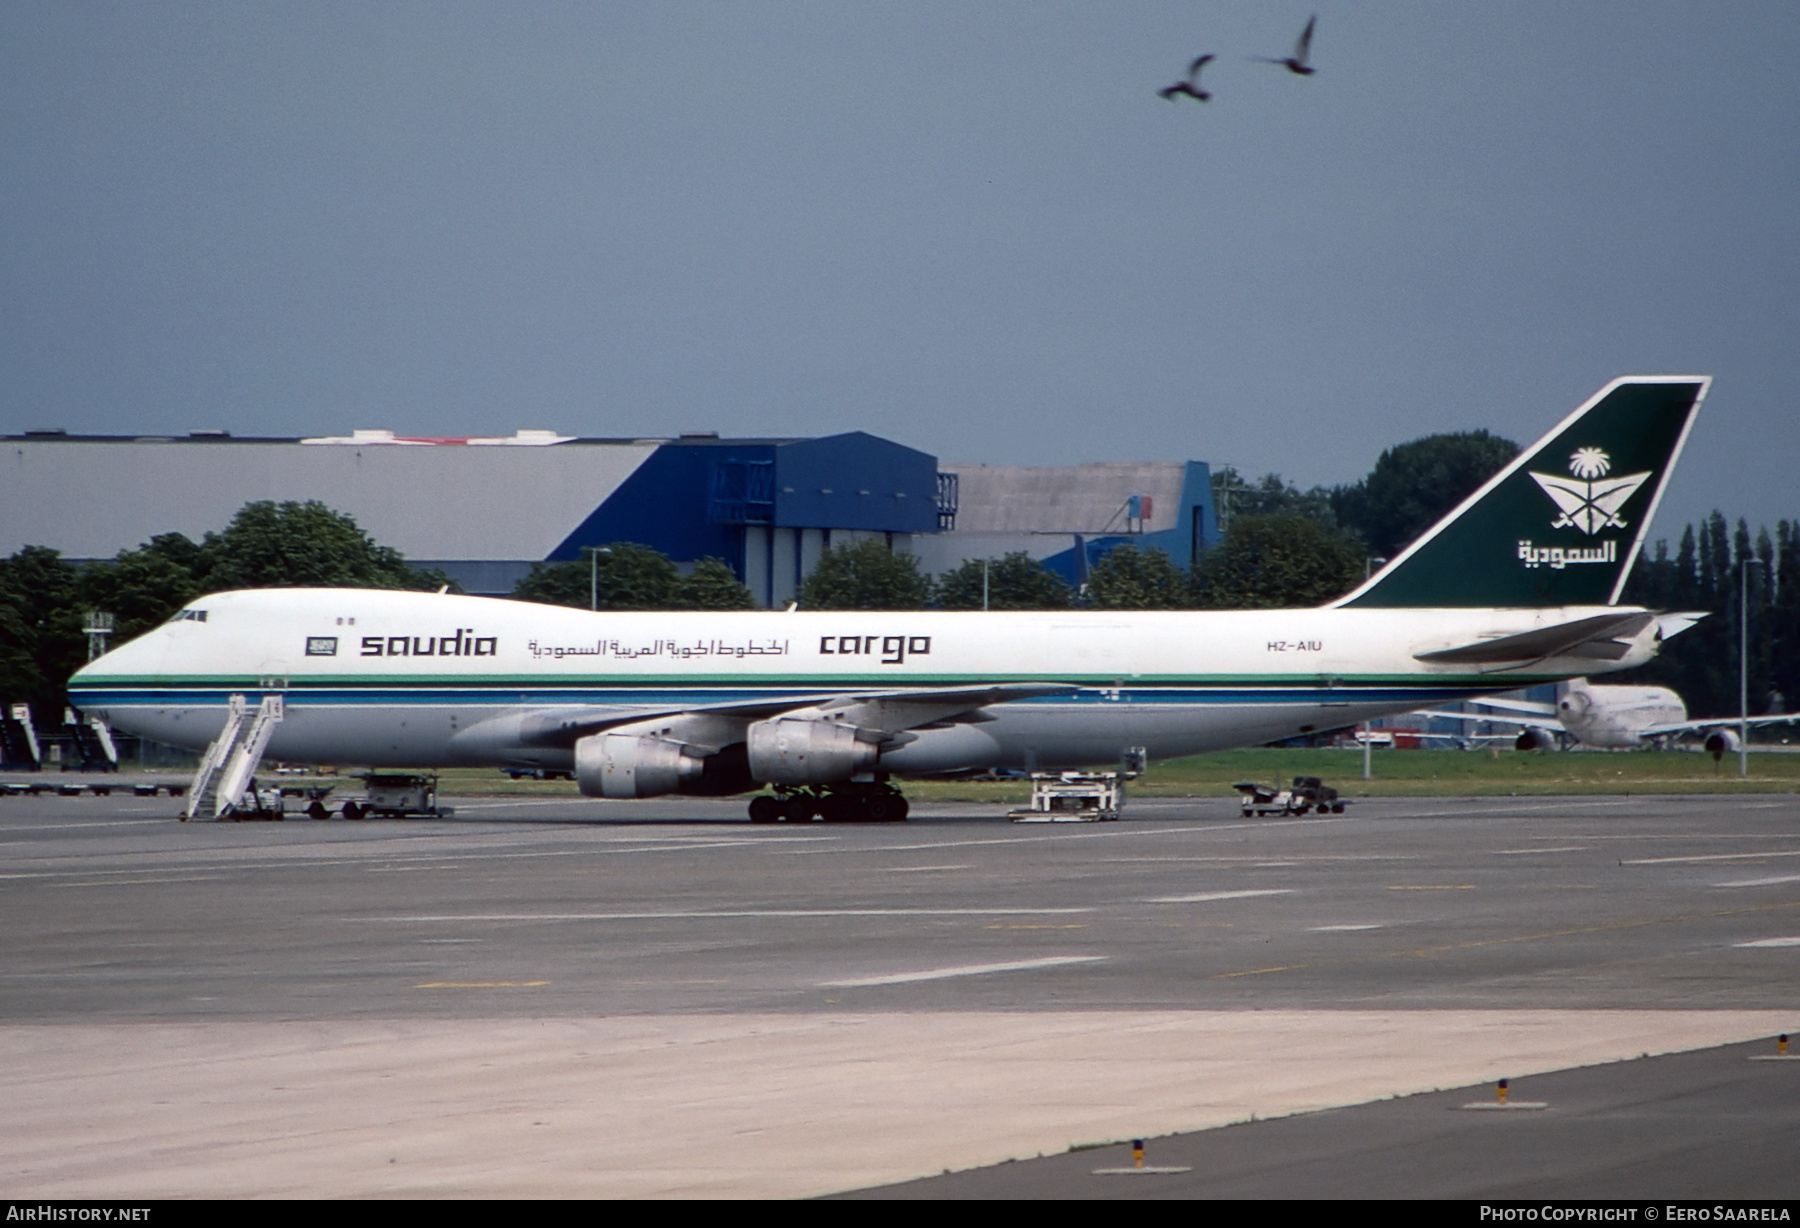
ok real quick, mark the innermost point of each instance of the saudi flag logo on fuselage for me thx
(1589, 500)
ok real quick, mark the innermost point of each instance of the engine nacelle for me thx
(627, 765)
(793, 752)
(1534, 739)
(1722, 742)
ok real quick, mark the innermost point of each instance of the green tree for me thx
(566, 583)
(1016, 582)
(1128, 578)
(1709, 574)
(1233, 497)
(711, 585)
(866, 576)
(44, 600)
(1414, 484)
(1784, 615)
(1280, 561)
(141, 588)
(41, 642)
(292, 545)
(628, 576)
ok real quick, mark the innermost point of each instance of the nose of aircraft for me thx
(90, 668)
(125, 657)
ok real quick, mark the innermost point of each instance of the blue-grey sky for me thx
(969, 226)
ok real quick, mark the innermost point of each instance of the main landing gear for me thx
(853, 802)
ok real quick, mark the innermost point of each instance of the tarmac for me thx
(569, 998)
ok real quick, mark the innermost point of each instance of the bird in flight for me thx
(1190, 87)
(1296, 63)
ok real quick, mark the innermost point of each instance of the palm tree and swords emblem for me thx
(1588, 499)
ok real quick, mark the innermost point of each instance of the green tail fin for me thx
(1562, 524)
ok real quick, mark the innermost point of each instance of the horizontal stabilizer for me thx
(1603, 637)
(1668, 626)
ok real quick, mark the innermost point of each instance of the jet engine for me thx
(794, 752)
(1534, 739)
(627, 765)
(1722, 742)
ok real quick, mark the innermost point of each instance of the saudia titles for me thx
(465, 643)
(1589, 501)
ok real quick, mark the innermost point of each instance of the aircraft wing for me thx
(1754, 722)
(885, 713)
(1533, 722)
(1602, 636)
(1514, 705)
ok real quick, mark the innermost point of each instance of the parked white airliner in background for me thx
(1517, 586)
(1615, 717)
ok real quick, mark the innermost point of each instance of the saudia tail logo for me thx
(1589, 501)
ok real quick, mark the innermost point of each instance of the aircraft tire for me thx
(765, 809)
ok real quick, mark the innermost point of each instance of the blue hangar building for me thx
(485, 509)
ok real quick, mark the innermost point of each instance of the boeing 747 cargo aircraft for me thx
(1516, 586)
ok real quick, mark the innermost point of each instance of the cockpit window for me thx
(181, 616)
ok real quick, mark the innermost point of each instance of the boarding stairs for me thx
(92, 744)
(229, 763)
(18, 742)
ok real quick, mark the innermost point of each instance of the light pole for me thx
(1222, 500)
(594, 553)
(1744, 666)
(98, 626)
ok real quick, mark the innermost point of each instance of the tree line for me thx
(1712, 569)
(1265, 561)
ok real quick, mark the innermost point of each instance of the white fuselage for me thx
(1617, 717)
(398, 679)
